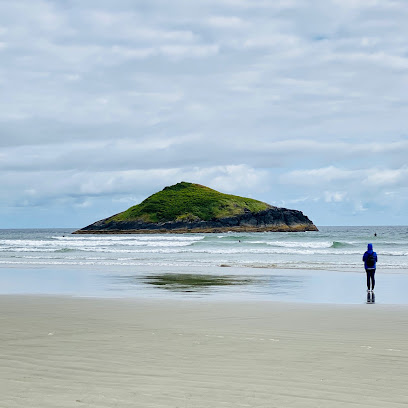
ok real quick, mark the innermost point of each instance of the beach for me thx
(229, 320)
(60, 351)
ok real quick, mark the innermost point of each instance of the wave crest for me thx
(338, 244)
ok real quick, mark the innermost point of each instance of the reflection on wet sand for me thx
(181, 282)
(255, 285)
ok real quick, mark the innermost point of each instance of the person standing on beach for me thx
(370, 263)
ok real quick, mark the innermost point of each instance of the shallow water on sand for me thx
(204, 283)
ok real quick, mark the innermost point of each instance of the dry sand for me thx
(65, 352)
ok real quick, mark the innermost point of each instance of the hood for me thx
(370, 247)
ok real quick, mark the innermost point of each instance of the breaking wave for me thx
(333, 248)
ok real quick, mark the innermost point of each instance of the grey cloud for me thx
(26, 190)
(372, 188)
(160, 151)
(97, 90)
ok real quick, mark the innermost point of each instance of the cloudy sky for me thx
(299, 103)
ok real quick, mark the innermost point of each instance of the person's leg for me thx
(372, 279)
(368, 279)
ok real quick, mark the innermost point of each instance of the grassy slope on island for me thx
(189, 202)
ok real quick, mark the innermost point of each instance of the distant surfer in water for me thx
(370, 263)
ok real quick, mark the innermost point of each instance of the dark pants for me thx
(370, 277)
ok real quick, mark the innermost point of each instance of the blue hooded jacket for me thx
(370, 251)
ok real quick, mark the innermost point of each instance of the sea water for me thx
(274, 265)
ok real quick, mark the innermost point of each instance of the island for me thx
(193, 208)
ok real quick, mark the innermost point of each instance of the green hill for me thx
(189, 202)
(193, 208)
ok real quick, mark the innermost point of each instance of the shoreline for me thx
(72, 352)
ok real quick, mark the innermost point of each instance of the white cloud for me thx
(388, 177)
(120, 185)
(276, 40)
(192, 51)
(334, 196)
(234, 178)
(317, 177)
(355, 191)
(379, 58)
(294, 102)
(369, 178)
(225, 21)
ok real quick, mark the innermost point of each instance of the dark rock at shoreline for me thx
(273, 219)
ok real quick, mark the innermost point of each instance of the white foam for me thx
(45, 246)
(130, 237)
(290, 244)
(255, 250)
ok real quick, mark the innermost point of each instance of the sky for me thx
(302, 104)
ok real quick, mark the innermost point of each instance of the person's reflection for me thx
(370, 297)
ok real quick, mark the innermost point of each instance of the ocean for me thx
(274, 265)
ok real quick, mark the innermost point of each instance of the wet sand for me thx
(77, 352)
